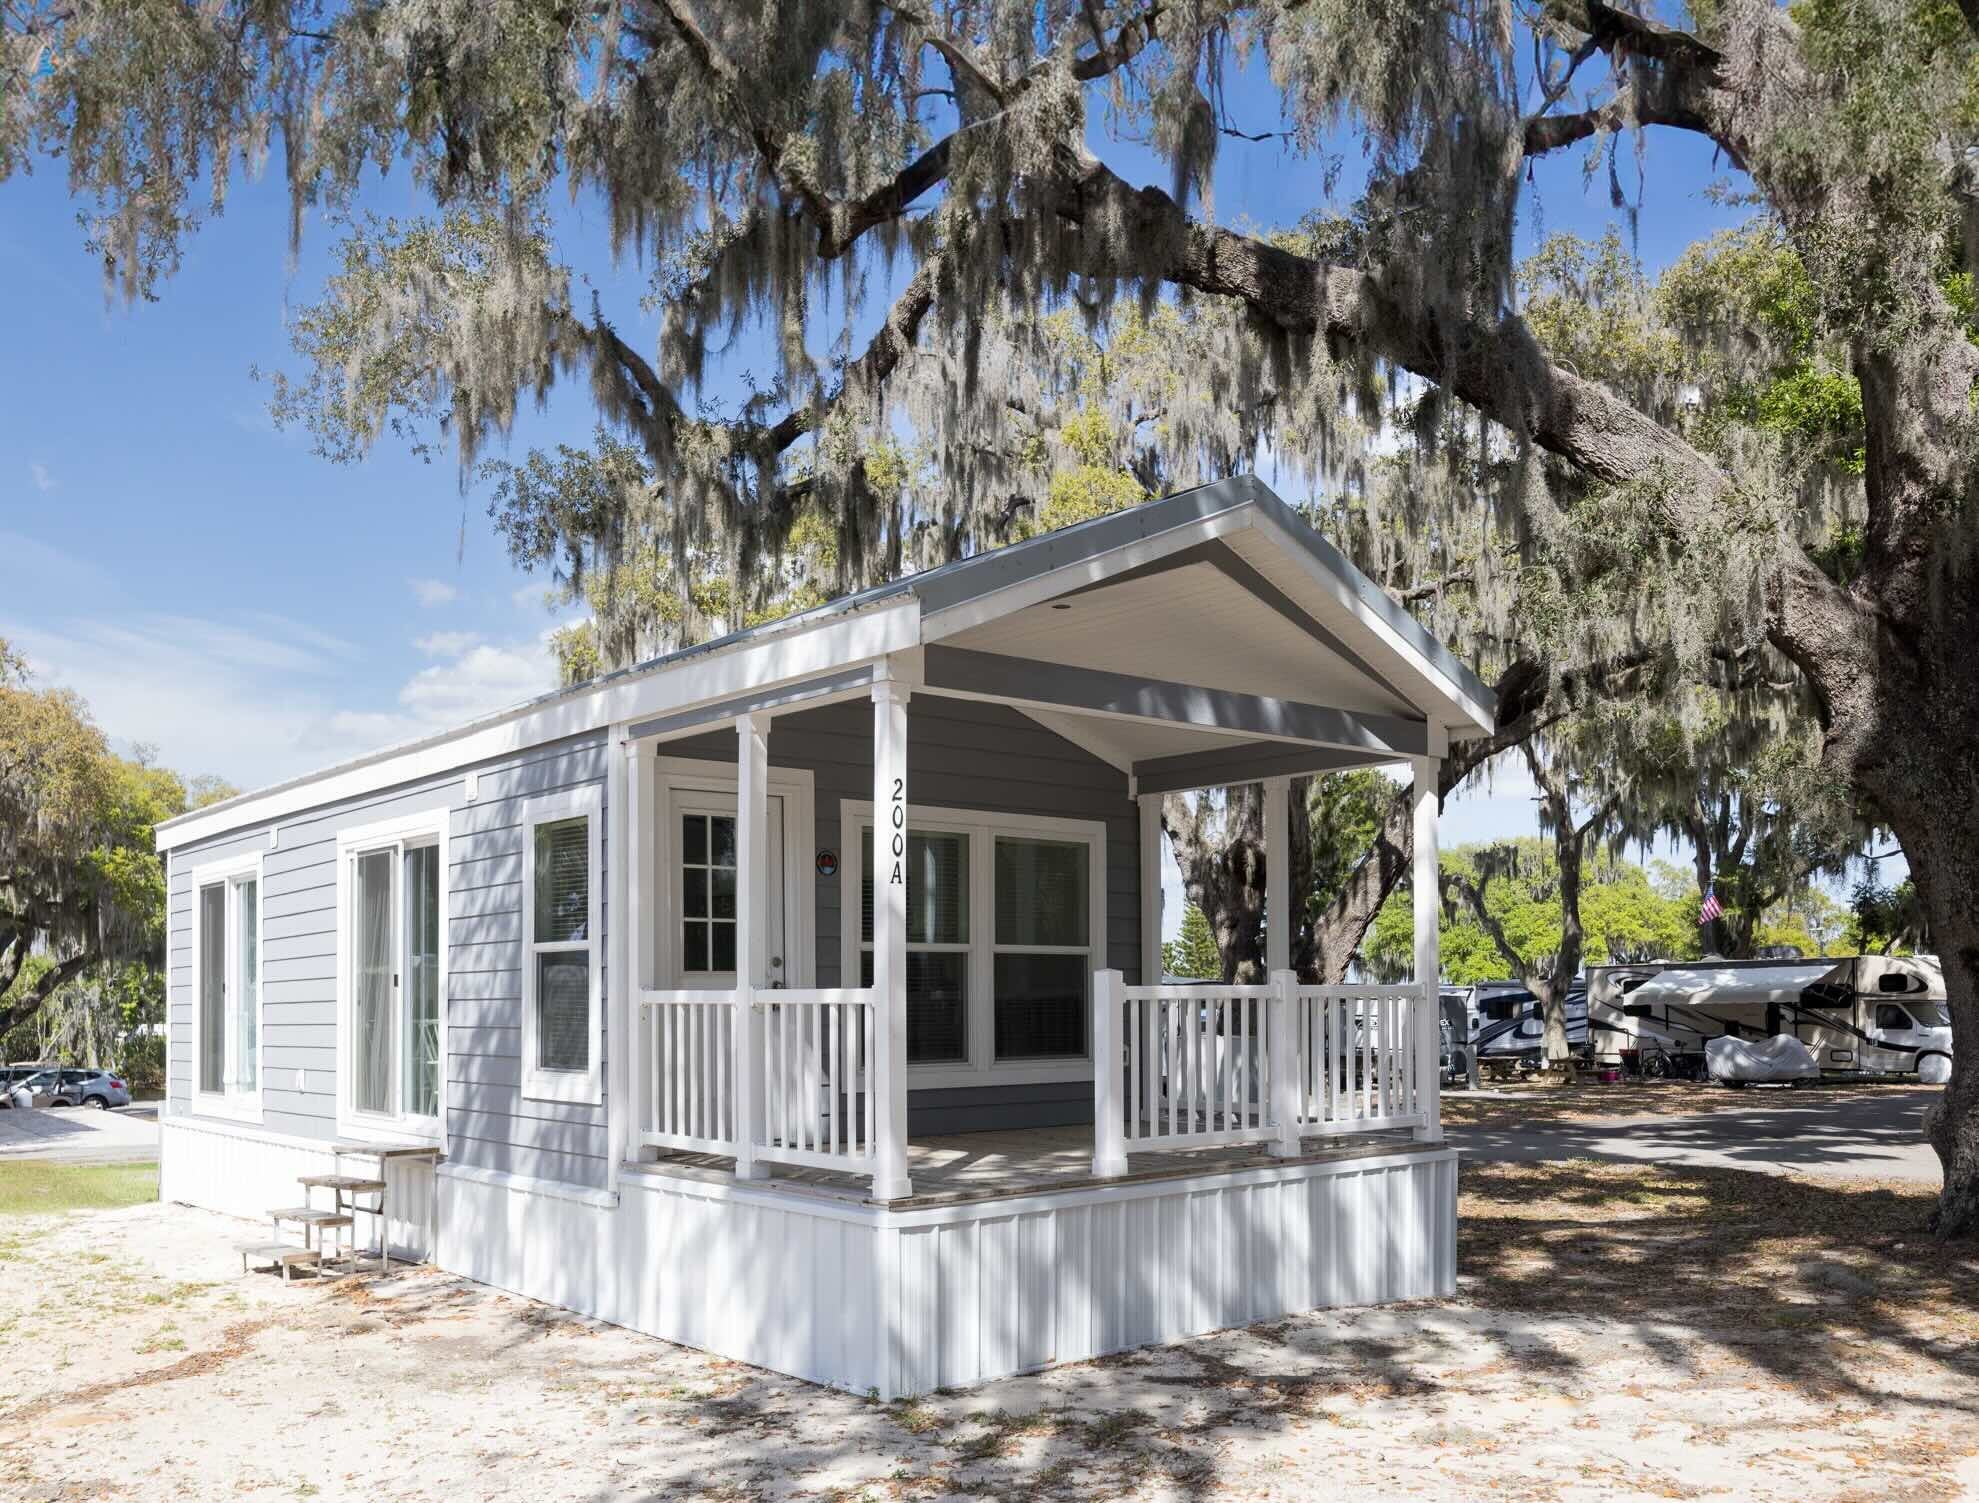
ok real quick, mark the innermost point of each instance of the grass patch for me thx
(44, 1188)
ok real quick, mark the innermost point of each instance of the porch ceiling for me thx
(1196, 622)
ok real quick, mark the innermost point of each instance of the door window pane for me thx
(937, 1004)
(247, 989)
(371, 989)
(707, 892)
(935, 870)
(563, 1010)
(422, 982)
(1041, 892)
(212, 987)
(1040, 1006)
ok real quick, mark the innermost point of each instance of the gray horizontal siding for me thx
(489, 1123)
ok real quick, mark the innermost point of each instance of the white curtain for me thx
(372, 956)
(212, 987)
(422, 962)
(247, 990)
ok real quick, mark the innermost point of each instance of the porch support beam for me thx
(889, 1074)
(1277, 874)
(996, 675)
(1428, 914)
(1244, 762)
(1151, 895)
(845, 685)
(752, 906)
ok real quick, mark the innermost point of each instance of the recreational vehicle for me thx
(1865, 1015)
(1518, 1031)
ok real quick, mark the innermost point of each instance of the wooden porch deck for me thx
(975, 1166)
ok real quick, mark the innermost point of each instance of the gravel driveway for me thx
(1864, 1133)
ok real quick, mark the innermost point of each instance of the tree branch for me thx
(57, 976)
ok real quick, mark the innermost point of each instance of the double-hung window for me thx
(1003, 935)
(1044, 956)
(393, 880)
(561, 1013)
(227, 982)
(938, 892)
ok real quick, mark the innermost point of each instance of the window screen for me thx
(560, 942)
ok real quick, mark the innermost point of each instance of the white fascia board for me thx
(1448, 690)
(752, 663)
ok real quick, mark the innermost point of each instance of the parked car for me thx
(73, 1087)
(13, 1075)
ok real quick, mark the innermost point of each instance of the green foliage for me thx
(1625, 916)
(1192, 955)
(1886, 920)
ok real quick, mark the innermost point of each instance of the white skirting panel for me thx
(905, 1302)
(245, 1171)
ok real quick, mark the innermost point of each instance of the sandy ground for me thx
(1622, 1331)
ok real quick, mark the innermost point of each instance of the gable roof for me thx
(1232, 544)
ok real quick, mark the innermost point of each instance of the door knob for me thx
(776, 960)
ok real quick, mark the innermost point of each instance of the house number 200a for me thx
(899, 832)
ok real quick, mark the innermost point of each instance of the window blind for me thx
(563, 881)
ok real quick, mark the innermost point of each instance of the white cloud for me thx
(480, 679)
(432, 592)
(43, 480)
(531, 597)
(269, 700)
(445, 644)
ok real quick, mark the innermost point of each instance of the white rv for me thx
(1866, 1015)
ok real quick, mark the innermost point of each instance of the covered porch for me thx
(993, 1021)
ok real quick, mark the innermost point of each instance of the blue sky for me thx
(217, 592)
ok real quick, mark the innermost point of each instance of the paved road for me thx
(76, 1135)
(1874, 1137)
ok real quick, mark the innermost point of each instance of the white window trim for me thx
(432, 827)
(229, 871)
(579, 1086)
(798, 789)
(982, 826)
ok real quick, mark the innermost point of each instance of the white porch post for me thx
(752, 900)
(1109, 1134)
(1428, 914)
(889, 1067)
(1277, 875)
(1151, 915)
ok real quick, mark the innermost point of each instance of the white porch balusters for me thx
(752, 899)
(1428, 913)
(1109, 1133)
(889, 874)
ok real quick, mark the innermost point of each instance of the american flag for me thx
(1712, 909)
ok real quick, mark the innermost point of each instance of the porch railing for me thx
(1194, 1065)
(1358, 1058)
(816, 1051)
(810, 1100)
(690, 1071)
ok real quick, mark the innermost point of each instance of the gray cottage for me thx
(798, 996)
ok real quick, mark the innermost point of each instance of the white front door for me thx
(700, 950)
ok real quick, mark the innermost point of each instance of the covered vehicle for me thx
(1779, 1060)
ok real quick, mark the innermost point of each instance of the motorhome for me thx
(1864, 1015)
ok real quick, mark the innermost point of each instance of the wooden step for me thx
(350, 1184)
(311, 1216)
(278, 1255)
